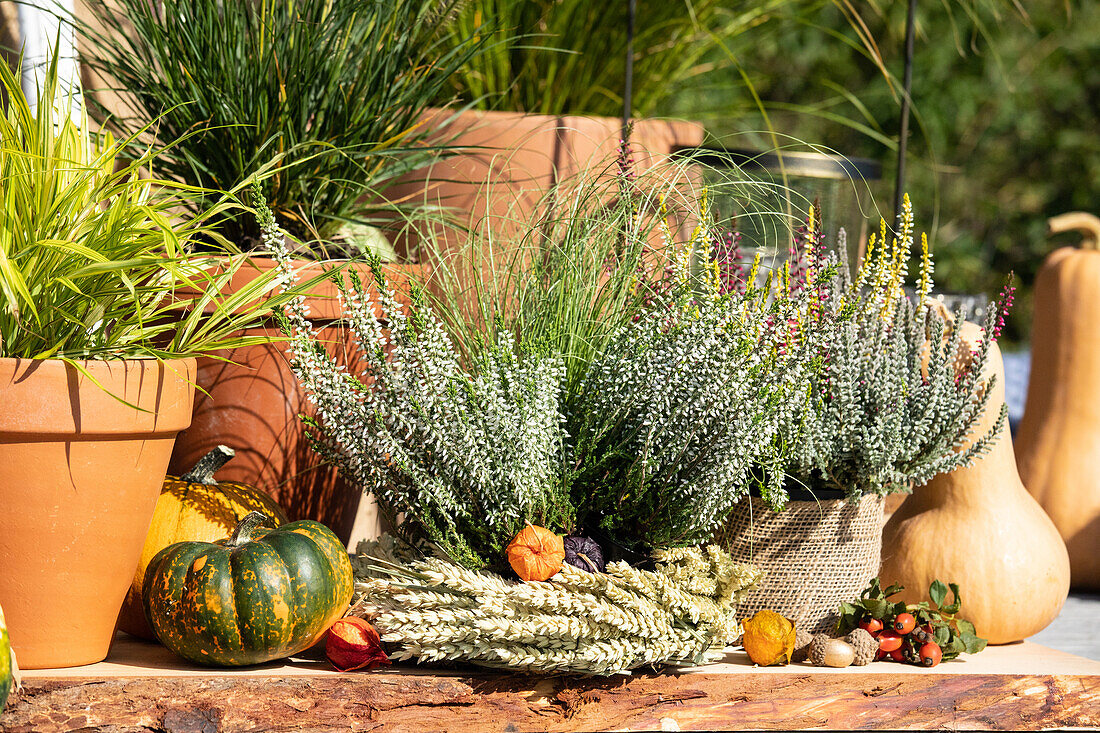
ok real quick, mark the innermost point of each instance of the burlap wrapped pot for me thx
(815, 554)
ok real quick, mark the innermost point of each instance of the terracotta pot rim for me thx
(95, 367)
(323, 300)
(50, 397)
(503, 114)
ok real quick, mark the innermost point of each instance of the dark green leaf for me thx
(965, 627)
(973, 644)
(937, 592)
(956, 601)
(941, 635)
(873, 590)
(953, 648)
(850, 616)
(893, 590)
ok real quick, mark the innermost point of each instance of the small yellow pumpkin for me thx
(536, 553)
(193, 508)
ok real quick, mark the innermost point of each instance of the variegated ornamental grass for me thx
(95, 261)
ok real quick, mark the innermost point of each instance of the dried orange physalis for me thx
(536, 553)
(352, 643)
(768, 638)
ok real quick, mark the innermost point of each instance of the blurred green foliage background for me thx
(1005, 130)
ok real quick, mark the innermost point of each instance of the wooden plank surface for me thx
(1022, 686)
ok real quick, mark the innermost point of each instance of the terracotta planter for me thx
(80, 473)
(252, 404)
(509, 160)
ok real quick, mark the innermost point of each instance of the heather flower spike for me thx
(1004, 303)
(889, 408)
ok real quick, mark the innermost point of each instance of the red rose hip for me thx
(904, 623)
(930, 654)
(871, 625)
(889, 641)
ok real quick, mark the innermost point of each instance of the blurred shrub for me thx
(1005, 132)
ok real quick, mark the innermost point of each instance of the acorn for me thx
(866, 646)
(826, 652)
(802, 641)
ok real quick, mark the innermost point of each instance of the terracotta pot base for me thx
(80, 473)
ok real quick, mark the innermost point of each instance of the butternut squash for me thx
(1058, 441)
(977, 526)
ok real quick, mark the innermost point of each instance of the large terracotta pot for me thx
(251, 402)
(80, 473)
(507, 161)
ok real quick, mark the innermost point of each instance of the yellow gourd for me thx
(1058, 441)
(193, 508)
(977, 526)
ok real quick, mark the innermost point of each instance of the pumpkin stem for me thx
(588, 560)
(203, 471)
(243, 533)
(1080, 221)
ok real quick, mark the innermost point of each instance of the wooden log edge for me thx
(425, 702)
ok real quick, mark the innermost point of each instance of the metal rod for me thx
(628, 89)
(907, 87)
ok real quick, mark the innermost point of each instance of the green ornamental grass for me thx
(559, 57)
(95, 261)
(332, 89)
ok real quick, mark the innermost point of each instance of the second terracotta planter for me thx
(503, 163)
(80, 473)
(251, 402)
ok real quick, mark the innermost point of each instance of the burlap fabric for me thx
(815, 555)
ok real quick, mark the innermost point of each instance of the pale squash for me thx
(977, 526)
(193, 508)
(1058, 441)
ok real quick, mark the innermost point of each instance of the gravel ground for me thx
(1077, 628)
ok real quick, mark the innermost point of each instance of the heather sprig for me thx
(464, 455)
(892, 406)
(689, 405)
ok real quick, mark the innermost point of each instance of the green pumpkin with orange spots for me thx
(260, 595)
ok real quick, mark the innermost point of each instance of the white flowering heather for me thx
(892, 405)
(686, 409)
(465, 455)
(579, 622)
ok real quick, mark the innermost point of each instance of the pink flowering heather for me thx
(728, 256)
(1004, 303)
